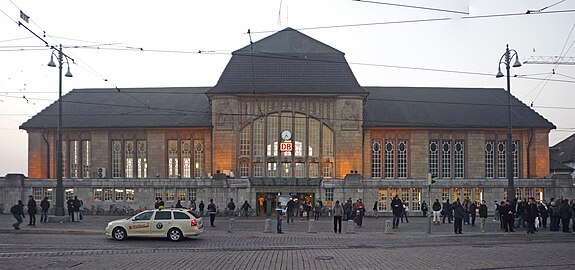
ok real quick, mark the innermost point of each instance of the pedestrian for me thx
(496, 212)
(18, 212)
(290, 208)
(565, 214)
(44, 206)
(179, 204)
(447, 211)
(404, 211)
(482, 215)
(317, 210)
(193, 205)
(360, 213)
(520, 213)
(32, 208)
(212, 211)
(531, 214)
(543, 213)
(436, 207)
(424, 208)
(554, 215)
(70, 205)
(161, 204)
(508, 216)
(347, 209)
(337, 212)
(396, 207)
(201, 208)
(231, 208)
(466, 204)
(375, 211)
(246, 208)
(157, 204)
(81, 209)
(76, 207)
(458, 214)
(473, 212)
(279, 217)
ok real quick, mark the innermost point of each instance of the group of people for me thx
(531, 214)
(75, 211)
(460, 212)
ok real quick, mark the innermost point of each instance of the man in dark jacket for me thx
(347, 209)
(32, 208)
(397, 208)
(44, 205)
(531, 214)
(18, 213)
(447, 211)
(436, 211)
(458, 214)
(70, 204)
(507, 214)
(565, 214)
(212, 211)
(483, 215)
(473, 212)
(543, 212)
(231, 208)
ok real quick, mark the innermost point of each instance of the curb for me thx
(43, 231)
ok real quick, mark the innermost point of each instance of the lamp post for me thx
(506, 59)
(59, 210)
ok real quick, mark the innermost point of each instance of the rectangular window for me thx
(244, 169)
(75, 159)
(119, 194)
(539, 194)
(116, 159)
(489, 159)
(313, 149)
(501, 161)
(329, 195)
(173, 166)
(286, 124)
(198, 158)
(130, 194)
(273, 135)
(519, 193)
(327, 145)
(49, 193)
(445, 194)
(37, 192)
(181, 193)
(86, 159)
(192, 194)
(258, 169)
(159, 192)
(98, 194)
(129, 159)
(327, 169)
(64, 159)
(402, 159)
(405, 196)
(259, 137)
(299, 170)
(478, 194)
(142, 157)
(170, 194)
(286, 169)
(467, 193)
(528, 193)
(300, 135)
(456, 194)
(389, 162)
(108, 194)
(416, 198)
(446, 159)
(382, 203)
(272, 170)
(313, 170)
(434, 158)
(376, 159)
(393, 192)
(516, 147)
(186, 158)
(459, 159)
(69, 193)
(245, 141)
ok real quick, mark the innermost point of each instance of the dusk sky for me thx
(126, 44)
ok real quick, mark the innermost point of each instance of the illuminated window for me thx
(478, 194)
(108, 194)
(86, 159)
(75, 157)
(389, 162)
(69, 193)
(313, 149)
(327, 142)
(299, 170)
(327, 169)
(459, 159)
(49, 193)
(198, 158)
(142, 157)
(192, 194)
(37, 192)
(382, 203)
(446, 159)
(489, 159)
(456, 194)
(402, 159)
(376, 159)
(539, 195)
(119, 194)
(405, 196)
(170, 194)
(159, 193)
(129, 159)
(64, 159)
(445, 194)
(272, 135)
(186, 146)
(393, 192)
(299, 134)
(98, 194)
(181, 194)
(467, 193)
(130, 194)
(116, 159)
(173, 170)
(286, 124)
(272, 170)
(416, 198)
(314, 170)
(329, 194)
(434, 158)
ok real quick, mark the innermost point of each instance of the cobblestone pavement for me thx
(83, 246)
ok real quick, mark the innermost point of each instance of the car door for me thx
(140, 224)
(161, 223)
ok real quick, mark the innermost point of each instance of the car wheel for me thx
(175, 234)
(119, 233)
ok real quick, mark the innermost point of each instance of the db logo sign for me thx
(286, 147)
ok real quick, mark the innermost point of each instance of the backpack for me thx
(13, 210)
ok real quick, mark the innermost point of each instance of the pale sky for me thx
(172, 32)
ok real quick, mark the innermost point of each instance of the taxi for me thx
(173, 223)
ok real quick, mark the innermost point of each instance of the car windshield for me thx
(144, 216)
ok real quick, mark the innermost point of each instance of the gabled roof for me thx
(564, 151)
(436, 107)
(556, 166)
(128, 108)
(287, 62)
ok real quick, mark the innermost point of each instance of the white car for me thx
(173, 223)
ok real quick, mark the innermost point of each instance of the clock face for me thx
(286, 135)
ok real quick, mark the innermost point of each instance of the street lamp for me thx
(506, 59)
(59, 210)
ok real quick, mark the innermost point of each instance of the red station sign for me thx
(286, 146)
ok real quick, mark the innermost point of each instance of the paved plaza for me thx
(84, 246)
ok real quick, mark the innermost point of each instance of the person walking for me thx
(508, 212)
(396, 208)
(290, 208)
(466, 204)
(316, 210)
(458, 214)
(231, 208)
(18, 212)
(473, 212)
(32, 208)
(360, 213)
(404, 210)
(482, 215)
(193, 205)
(436, 212)
(337, 213)
(375, 212)
(279, 217)
(201, 208)
(531, 213)
(347, 209)
(447, 211)
(212, 211)
(44, 206)
(246, 208)
(424, 208)
(565, 214)
(76, 208)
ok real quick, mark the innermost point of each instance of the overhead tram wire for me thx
(414, 7)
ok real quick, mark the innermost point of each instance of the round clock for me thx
(286, 135)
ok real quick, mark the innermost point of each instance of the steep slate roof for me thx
(446, 108)
(287, 62)
(129, 108)
(564, 151)
(556, 166)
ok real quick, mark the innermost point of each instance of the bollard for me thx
(350, 227)
(387, 226)
(231, 225)
(268, 226)
(312, 226)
